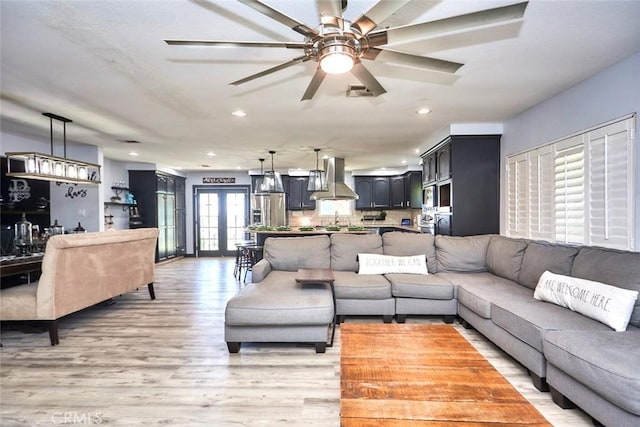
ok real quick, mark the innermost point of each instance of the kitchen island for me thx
(261, 235)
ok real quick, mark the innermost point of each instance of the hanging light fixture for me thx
(47, 167)
(272, 181)
(317, 178)
(259, 182)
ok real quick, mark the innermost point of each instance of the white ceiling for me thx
(104, 65)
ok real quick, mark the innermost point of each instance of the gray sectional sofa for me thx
(486, 281)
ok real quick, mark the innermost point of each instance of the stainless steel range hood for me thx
(338, 190)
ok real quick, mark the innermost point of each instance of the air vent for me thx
(130, 141)
(358, 90)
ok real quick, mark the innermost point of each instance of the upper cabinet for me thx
(413, 189)
(373, 192)
(298, 198)
(429, 168)
(443, 162)
(397, 196)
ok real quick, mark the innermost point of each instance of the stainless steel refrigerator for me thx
(269, 209)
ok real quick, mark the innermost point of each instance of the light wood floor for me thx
(164, 362)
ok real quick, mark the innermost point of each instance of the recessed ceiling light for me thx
(422, 111)
(404, 162)
(205, 166)
(237, 167)
(239, 113)
(133, 153)
(417, 151)
(211, 154)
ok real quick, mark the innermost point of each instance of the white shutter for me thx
(517, 192)
(541, 193)
(611, 185)
(569, 210)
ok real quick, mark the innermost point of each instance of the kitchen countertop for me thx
(321, 230)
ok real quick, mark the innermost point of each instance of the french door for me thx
(221, 215)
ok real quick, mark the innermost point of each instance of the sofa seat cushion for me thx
(604, 361)
(477, 291)
(431, 286)
(19, 302)
(351, 285)
(280, 300)
(529, 319)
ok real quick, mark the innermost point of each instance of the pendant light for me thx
(317, 178)
(272, 181)
(47, 167)
(259, 181)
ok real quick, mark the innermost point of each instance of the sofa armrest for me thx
(260, 270)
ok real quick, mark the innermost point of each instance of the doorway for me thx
(220, 217)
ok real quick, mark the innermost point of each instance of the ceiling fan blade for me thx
(374, 16)
(413, 61)
(329, 7)
(367, 79)
(227, 43)
(279, 67)
(425, 30)
(318, 77)
(272, 13)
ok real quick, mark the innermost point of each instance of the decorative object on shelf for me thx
(48, 167)
(272, 181)
(23, 232)
(79, 229)
(317, 178)
(56, 228)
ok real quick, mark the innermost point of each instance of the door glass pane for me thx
(208, 220)
(236, 214)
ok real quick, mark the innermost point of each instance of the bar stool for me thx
(249, 256)
(237, 268)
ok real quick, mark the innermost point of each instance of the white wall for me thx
(611, 94)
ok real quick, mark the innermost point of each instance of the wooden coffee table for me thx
(320, 275)
(423, 375)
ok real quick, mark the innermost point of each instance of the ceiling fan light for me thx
(336, 59)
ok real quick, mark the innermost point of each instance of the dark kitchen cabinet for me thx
(397, 195)
(429, 168)
(298, 198)
(468, 184)
(373, 192)
(161, 204)
(413, 189)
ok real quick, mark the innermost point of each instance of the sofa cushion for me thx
(608, 304)
(543, 256)
(529, 319)
(399, 243)
(504, 256)
(613, 267)
(477, 291)
(431, 286)
(351, 285)
(346, 247)
(462, 253)
(292, 253)
(279, 300)
(603, 361)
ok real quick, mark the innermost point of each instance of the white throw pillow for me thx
(384, 264)
(605, 303)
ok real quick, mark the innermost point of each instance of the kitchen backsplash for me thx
(393, 217)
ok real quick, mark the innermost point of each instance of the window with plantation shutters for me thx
(610, 185)
(578, 190)
(569, 203)
(517, 196)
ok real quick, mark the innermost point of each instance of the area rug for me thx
(423, 375)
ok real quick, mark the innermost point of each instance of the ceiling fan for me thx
(339, 45)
